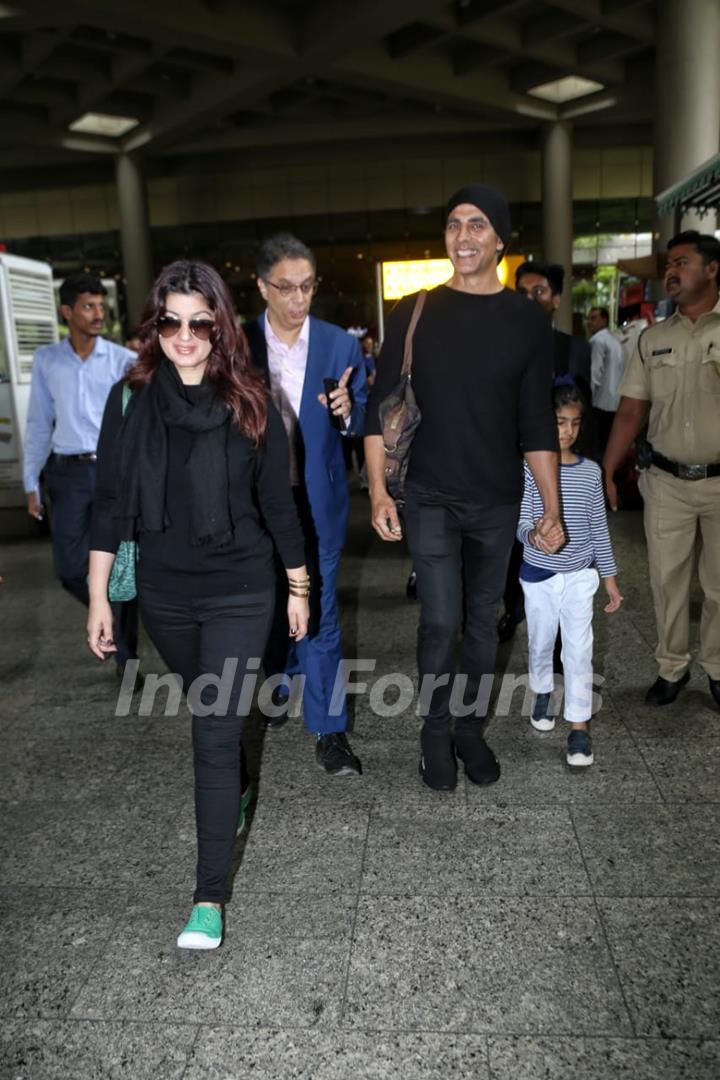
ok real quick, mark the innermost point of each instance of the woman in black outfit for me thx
(196, 470)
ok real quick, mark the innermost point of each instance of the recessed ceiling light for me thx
(104, 124)
(567, 89)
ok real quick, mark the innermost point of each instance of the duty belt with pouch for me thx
(684, 472)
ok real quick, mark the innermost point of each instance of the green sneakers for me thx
(245, 800)
(203, 930)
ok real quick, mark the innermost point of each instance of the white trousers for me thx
(564, 600)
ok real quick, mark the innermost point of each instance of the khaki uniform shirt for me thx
(676, 367)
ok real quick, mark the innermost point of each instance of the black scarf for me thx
(143, 459)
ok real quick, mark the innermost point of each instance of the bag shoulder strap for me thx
(126, 395)
(417, 312)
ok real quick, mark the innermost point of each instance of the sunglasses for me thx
(168, 326)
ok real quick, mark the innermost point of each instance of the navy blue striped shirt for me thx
(583, 507)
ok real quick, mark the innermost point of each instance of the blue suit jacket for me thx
(330, 351)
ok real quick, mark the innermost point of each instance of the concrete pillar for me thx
(134, 234)
(557, 210)
(687, 101)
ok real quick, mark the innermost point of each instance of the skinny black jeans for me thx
(195, 636)
(460, 552)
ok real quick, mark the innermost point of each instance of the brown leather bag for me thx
(400, 414)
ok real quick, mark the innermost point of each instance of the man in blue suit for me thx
(298, 352)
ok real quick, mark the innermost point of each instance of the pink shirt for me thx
(286, 366)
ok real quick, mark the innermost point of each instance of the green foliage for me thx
(598, 291)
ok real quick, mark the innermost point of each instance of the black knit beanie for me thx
(492, 203)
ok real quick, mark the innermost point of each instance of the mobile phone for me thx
(336, 420)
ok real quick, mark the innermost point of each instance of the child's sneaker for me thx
(542, 719)
(203, 930)
(579, 748)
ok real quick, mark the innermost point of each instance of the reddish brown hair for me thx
(238, 384)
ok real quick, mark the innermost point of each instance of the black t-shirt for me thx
(262, 508)
(482, 375)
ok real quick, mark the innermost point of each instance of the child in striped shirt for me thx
(559, 588)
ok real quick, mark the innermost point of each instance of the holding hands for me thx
(548, 535)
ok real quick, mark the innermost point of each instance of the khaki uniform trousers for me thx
(675, 510)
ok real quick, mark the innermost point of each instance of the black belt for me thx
(685, 472)
(76, 457)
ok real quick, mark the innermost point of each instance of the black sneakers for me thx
(438, 767)
(333, 754)
(481, 765)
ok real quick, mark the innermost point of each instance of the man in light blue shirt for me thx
(70, 385)
(608, 364)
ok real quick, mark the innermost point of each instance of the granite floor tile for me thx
(534, 769)
(82, 717)
(220, 1054)
(390, 776)
(603, 1059)
(684, 770)
(667, 953)
(59, 1050)
(93, 843)
(493, 852)
(483, 965)
(314, 852)
(159, 768)
(49, 940)
(282, 963)
(52, 770)
(693, 716)
(637, 850)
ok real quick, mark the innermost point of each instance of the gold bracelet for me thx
(299, 581)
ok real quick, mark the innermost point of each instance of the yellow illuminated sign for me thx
(507, 268)
(410, 275)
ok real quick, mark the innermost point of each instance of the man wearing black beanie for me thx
(482, 373)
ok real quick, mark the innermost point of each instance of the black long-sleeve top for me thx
(261, 501)
(482, 375)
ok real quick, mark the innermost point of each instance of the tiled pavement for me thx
(556, 925)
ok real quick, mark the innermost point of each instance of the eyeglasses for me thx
(168, 326)
(307, 288)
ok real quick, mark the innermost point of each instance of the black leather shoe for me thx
(411, 587)
(280, 698)
(715, 690)
(481, 765)
(664, 692)
(438, 767)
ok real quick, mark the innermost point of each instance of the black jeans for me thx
(71, 487)
(460, 552)
(513, 595)
(195, 636)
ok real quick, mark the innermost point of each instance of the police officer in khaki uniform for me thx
(673, 381)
